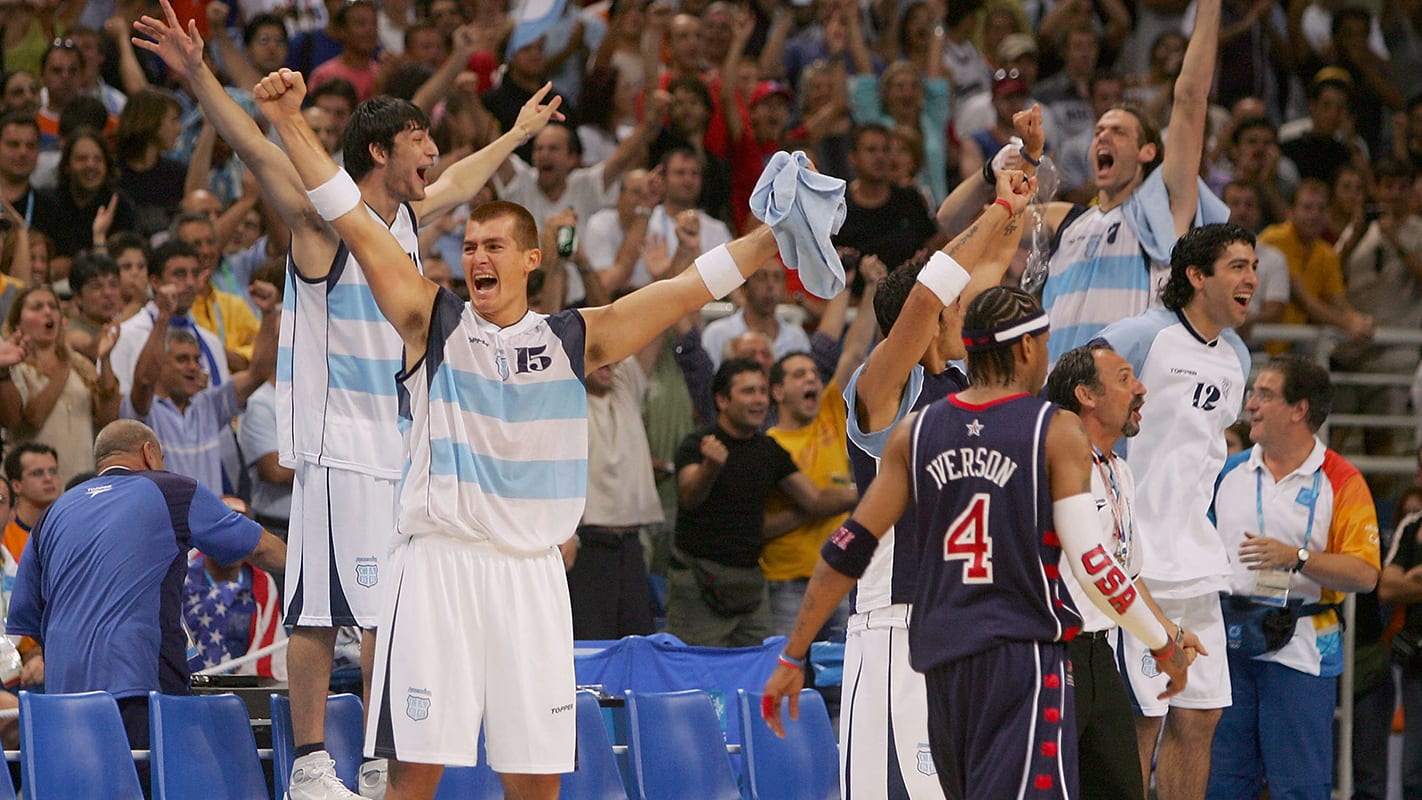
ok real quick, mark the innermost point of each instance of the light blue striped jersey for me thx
(1110, 265)
(336, 400)
(1098, 274)
(497, 432)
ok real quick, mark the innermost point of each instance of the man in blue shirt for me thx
(101, 581)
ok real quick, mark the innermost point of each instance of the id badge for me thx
(1271, 587)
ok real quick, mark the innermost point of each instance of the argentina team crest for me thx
(367, 571)
(925, 760)
(417, 705)
(1149, 667)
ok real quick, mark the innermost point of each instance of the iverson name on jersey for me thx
(970, 462)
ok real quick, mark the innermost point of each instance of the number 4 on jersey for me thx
(968, 540)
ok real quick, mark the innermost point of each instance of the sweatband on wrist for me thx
(336, 197)
(1036, 162)
(1164, 653)
(849, 550)
(719, 271)
(792, 663)
(944, 276)
(1001, 202)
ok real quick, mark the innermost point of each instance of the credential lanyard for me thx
(1259, 501)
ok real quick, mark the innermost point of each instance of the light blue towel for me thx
(1148, 210)
(803, 209)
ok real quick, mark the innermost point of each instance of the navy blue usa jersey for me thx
(890, 577)
(987, 553)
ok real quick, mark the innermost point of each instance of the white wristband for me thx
(336, 197)
(719, 271)
(944, 277)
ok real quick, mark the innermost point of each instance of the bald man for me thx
(107, 553)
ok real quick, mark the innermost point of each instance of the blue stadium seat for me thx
(344, 735)
(597, 776)
(802, 766)
(73, 747)
(202, 746)
(676, 747)
(7, 786)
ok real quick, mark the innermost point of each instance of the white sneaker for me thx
(373, 776)
(313, 777)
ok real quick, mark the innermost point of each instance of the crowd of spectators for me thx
(141, 268)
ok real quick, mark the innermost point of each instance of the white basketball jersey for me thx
(498, 429)
(336, 366)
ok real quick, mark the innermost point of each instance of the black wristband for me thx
(849, 549)
(988, 174)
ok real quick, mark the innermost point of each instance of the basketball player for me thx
(1099, 386)
(1006, 477)
(883, 727)
(496, 414)
(1197, 370)
(1110, 258)
(337, 410)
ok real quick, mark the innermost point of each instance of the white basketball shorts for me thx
(1207, 685)
(883, 722)
(342, 527)
(471, 634)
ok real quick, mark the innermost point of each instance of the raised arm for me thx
(1186, 135)
(865, 326)
(404, 296)
(313, 243)
(465, 178)
(234, 61)
(130, 71)
(618, 330)
(463, 44)
(150, 358)
(744, 26)
(633, 149)
(887, 370)
(264, 348)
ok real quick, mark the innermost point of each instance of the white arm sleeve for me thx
(1098, 572)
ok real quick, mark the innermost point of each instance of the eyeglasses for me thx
(63, 44)
(1006, 75)
(1262, 396)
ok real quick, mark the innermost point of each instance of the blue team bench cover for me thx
(663, 663)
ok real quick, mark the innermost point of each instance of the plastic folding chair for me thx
(73, 747)
(7, 786)
(676, 747)
(802, 766)
(344, 735)
(597, 776)
(202, 746)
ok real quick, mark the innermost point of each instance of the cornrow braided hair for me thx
(994, 308)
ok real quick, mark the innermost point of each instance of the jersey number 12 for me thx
(967, 540)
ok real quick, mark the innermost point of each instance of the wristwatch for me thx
(1303, 559)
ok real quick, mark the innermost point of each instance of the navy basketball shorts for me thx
(1001, 724)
